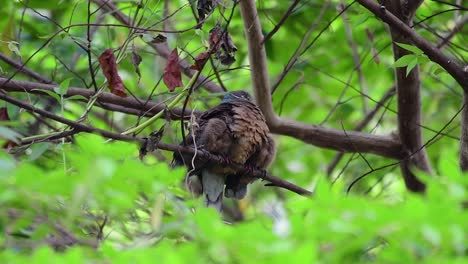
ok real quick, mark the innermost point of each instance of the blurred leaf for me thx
(63, 87)
(50, 93)
(13, 47)
(10, 134)
(405, 60)
(411, 66)
(37, 150)
(77, 97)
(411, 48)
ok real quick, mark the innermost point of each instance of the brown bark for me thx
(409, 105)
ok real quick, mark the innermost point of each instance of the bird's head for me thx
(236, 96)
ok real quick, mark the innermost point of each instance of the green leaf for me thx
(37, 150)
(50, 93)
(411, 66)
(63, 87)
(411, 48)
(405, 60)
(77, 97)
(438, 70)
(423, 59)
(10, 134)
(7, 164)
(13, 47)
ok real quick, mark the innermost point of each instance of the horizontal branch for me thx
(349, 141)
(316, 135)
(22, 68)
(106, 100)
(257, 173)
(345, 141)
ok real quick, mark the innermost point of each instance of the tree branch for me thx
(350, 141)
(409, 103)
(319, 136)
(25, 70)
(107, 100)
(281, 22)
(430, 50)
(257, 57)
(261, 174)
(464, 135)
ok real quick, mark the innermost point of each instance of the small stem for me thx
(172, 104)
(43, 136)
(62, 102)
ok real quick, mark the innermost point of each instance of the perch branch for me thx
(320, 136)
(25, 70)
(350, 141)
(261, 174)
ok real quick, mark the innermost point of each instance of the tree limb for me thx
(319, 136)
(257, 58)
(261, 174)
(106, 100)
(24, 69)
(464, 135)
(350, 141)
(430, 50)
(409, 103)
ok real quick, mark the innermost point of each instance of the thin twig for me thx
(281, 22)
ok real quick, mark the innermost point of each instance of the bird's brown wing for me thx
(255, 148)
(249, 130)
(209, 132)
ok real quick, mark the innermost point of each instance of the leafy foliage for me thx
(147, 219)
(60, 199)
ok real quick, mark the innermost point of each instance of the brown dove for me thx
(235, 129)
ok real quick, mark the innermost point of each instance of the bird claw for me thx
(249, 169)
(225, 160)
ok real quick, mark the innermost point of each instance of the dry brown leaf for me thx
(200, 61)
(172, 76)
(109, 68)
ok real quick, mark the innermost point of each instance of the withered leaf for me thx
(136, 60)
(228, 44)
(159, 39)
(109, 68)
(4, 117)
(204, 8)
(222, 46)
(200, 61)
(226, 59)
(151, 142)
(215, 38)
(4, 114)
(171, 75)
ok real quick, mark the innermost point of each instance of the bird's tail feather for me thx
(213, 186)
